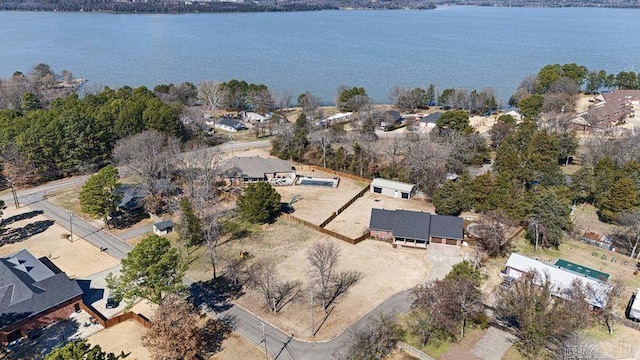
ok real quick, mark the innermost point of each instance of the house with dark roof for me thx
(230, 125)
(164, 227)
(425, 121)
(239, 170)
(415, 228)
(33, 295)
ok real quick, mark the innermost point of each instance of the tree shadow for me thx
(20, 234)
(216, 331)
(19, 217)
(214, 294)
(42, 341)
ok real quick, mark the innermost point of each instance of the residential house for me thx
(239, 170)
(253, 117)
(33, 295)
(230, 125)
(339, 118)
(394, 189)
(560, 276)
(610, 109)
(415, 229)
(389, 119)
(162, 228)
(634, 310)
(515, 112)
(430, 120)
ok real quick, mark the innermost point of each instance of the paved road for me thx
(280, 346)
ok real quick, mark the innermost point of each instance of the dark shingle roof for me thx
(163, 225)
(431, 118)
(416, 224)
(381, 219)
(450, 227)
(411, 225)
(232, 123)
(30, 288)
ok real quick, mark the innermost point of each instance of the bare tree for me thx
(426, 162)
(631, 223)
(494, 232)
(323, 259)
(374, 340)
(323, 139)
(212, 235)
(275, 291)
(608, 294)
(212, 94)
(149, 156)
(175, 333)
(200, 166)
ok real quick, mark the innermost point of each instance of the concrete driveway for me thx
(96, 292)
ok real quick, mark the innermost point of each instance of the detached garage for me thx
(394, 189)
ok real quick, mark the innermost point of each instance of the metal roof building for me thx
(391, 188)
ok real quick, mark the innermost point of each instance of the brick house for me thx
(241, 170)
(415, 228)
(33, 295)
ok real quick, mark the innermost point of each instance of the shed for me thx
(394, 189)
(162, 228)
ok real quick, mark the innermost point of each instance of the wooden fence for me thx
(332, 172)
(325, 231)
(107, 323)
(345, 206)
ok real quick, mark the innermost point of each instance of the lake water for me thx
(472, 47)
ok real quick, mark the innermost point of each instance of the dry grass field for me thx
(236, 347)
(318, 203)
(385, 271)
(126, 336)
(43, 238)
(354, 221)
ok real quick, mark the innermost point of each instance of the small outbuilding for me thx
(394, 189)
(163, 227)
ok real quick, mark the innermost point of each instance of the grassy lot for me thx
(67, 199)
(126, 336)
(513, 354)
(624, 343)
(236, 347)
(385, 272)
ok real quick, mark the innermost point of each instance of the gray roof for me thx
(416, 224)
(450, 227)
(231, 123)
(131, 195)
(28, 287)
(255, 167)
(381, 219)
(163, 225)
(431, 118)
(411, 225)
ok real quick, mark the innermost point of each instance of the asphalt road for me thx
(280, 346)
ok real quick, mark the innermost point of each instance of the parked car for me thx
(112, 302)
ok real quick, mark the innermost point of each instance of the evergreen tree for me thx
(549, 220)
(621, 198)
(98, 195)
(260, 203)
(190, 226)
(583, 184)
(80, 350)
(448, 199)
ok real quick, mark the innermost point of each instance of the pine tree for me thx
(260, 203)
(98, 195)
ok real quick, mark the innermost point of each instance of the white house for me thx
(230, 125)
(394, 189)
(560, 278)
(253, 117)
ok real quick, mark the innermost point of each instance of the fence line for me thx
(333, 172)
(413, 351)
(324, 230)
(107, 323)
(345, 206)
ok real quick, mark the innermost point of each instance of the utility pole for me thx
(313, 317)
(15, 196)
(264, 339)
(71, 225)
